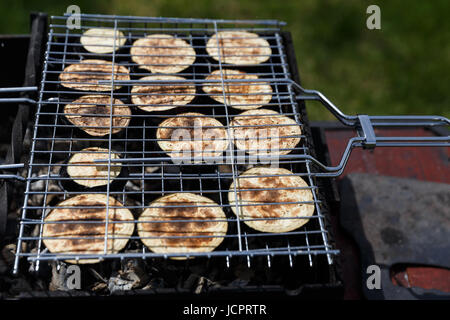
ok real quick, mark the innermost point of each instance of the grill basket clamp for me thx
(367, 131)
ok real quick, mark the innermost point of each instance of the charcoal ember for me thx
(204, 284)
(99, 287)
(131, 201)
(32, 245)
(137, 185)
(37, 185)
(150, 169)
(42, 185)
(163, 274)
(198, 284)
(133, 185)
(132, 276)
(134, 269)
(52, 199)
(118, 284)
(61, 278)
(36, 231)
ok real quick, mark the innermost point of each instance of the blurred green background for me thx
(404, 68)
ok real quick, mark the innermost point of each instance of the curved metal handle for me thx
(364, 125)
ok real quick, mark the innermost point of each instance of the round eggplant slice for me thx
(87, 173)
(264, 131)
(87, 74)
(164, 96)
(102, 40)
(243, 95)
(162, 53)
(282, 195)
(192, 135)
(182, 237)
(238, 48)
(92, 114)
(77, 226)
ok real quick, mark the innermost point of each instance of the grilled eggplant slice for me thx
(77, 226)
(162, 53)
(243, 95)
(85, 75)
(265, 132)
(84, 171)
(164, 96)
(238, 48)
(192, 135)
(277, 185)
(92, 114)
(182, 237)
(102, 40)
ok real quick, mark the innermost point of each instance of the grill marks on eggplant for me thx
(162, 97)
(102, 40)
(243, 95)
(72, 235)
(291, 199)
(182, 206)
(162, 53)
(86, 75)
(192, 134)
(183, 229)
(82, 165)
(82, 113)
(238, 48)
(265, 131)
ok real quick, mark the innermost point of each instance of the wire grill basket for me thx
(152, 172)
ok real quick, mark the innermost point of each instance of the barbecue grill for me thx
(307, 255)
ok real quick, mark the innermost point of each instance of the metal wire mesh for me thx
(151, 172)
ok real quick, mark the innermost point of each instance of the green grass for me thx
(404, 68)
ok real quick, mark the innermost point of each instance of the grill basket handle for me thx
(365, 124)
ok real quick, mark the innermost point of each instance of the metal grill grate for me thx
(151, 172)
